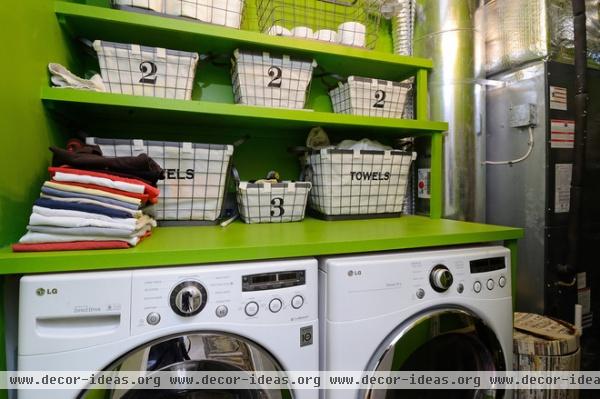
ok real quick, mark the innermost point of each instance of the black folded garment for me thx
(90, 157)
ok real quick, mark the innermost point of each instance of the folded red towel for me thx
(69, 246)
(143, 197)
(148, 189)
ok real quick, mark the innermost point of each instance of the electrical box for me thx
(522, 115)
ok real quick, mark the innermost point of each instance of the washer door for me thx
(198, 351)
(444, 339)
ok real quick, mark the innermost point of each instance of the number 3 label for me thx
(277, 203)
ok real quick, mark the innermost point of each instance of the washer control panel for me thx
(279, 291)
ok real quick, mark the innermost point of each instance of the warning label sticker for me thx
(423, 183)
(562, 133)
(558, 98)
(562, 187)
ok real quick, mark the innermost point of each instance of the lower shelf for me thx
(238, 241)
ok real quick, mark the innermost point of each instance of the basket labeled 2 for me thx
(357, 184)
(217, 12)
(195, 176)
(370, 97)
(348, 22)
(268, 80)
(146, 71)
(271, 202)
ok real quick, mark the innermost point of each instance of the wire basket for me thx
(370, 97)
(351, 184)
(146, 71)
(347, 22)
(195, 175)
(271, 81)
(271, 202)
(217, 12)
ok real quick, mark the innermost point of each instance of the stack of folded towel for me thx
(89, 209)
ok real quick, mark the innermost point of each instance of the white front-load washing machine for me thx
(225, 317)
(437, 310)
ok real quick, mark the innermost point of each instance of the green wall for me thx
(32, 38)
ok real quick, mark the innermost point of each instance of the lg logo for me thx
(44, 291)
(352, 273)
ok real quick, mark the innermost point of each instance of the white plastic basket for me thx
(195, 175)
(217, 12)
(146, 71)
(271, 81)
(358, 183)
(370, 97)
(271, 202)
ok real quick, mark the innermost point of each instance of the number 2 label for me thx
(380, 97)
(148, 69)
(275, 74)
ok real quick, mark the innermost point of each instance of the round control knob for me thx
(477, 287)
(188, 298)
(251, 309)
(440, 278)
(502, 281)
(221, 311)
(490, 284)
(297, 302)
(275, 305)
(153, 318)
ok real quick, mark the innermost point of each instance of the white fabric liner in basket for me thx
(146, 71)
(272, 203)
(217, 12)
(195, 175)
(271, 81)
(358, 182)
(370, 97)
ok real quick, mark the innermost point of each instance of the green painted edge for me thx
(244, 111)
(13, 263)
(346, 54)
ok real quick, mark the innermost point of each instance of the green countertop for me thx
(239, 241)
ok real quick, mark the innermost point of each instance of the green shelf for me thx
(86, 106)
(239, 241)
(92, 22)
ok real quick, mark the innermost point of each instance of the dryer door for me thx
(198, 351)
(443, 339)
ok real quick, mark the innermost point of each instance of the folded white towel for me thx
(100, 181)
(40, 238)
(62, 77)
(37, 219)
(127, 223)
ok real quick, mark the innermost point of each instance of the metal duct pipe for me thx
(450, 32)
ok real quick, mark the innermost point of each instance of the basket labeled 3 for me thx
(350, 184)
(272, 81)
(348, 22)
(217, 12)
(264, 202)
(195, 175)
(370, 97)
(146, 71)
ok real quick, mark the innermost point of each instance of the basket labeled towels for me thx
(146, 71)
(271, 201)
(195, 175)
(349, 182)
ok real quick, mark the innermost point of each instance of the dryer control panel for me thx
(369, 285)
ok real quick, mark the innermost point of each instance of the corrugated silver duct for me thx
(450, 32)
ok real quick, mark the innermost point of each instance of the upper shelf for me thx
(239, 241)
(82, 105)
(93, 22)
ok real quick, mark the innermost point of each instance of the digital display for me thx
(487, 265)
(271, 281)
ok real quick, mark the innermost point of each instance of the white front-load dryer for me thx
(437, 310)
(223, 317)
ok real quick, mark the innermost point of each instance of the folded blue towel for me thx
(74, 206)
(65, 194)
